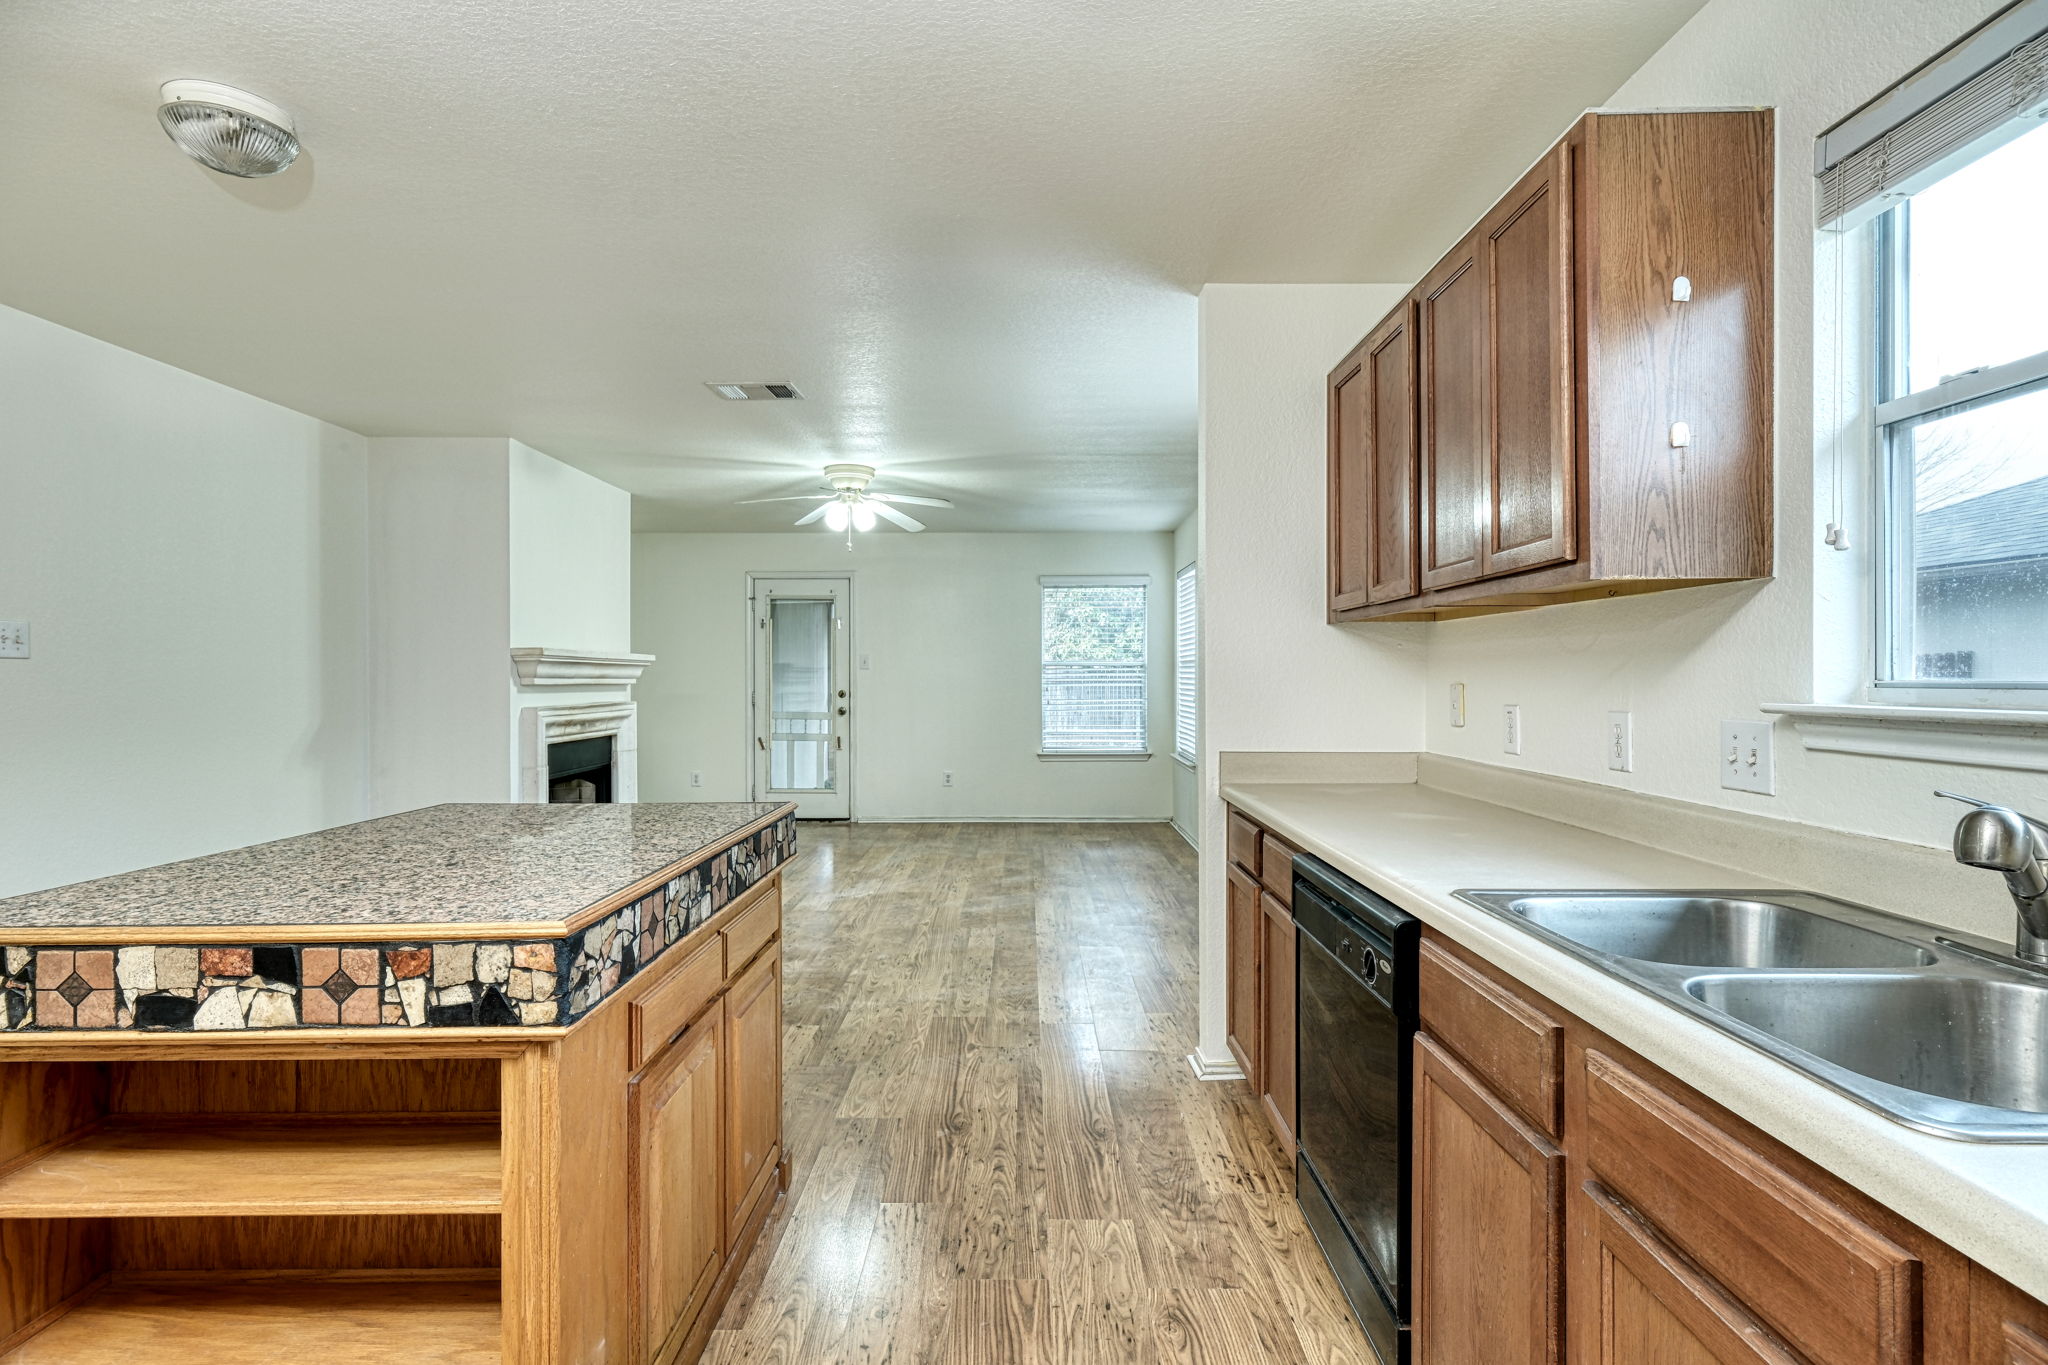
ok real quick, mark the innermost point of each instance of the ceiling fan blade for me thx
(803, 497)
(813, 515)
(903, 519)
(904, 497)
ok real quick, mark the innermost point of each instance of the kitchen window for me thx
(1962, 426)
(1948, 169)
(1184, 665)
(1092, 682)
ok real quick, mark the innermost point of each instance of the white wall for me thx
(1275, 674)
(949, 623)
(1683, 661)
(571, 556)
(439, 624)
(192, 564)
(1187, 782)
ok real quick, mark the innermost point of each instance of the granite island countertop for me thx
(454, 915)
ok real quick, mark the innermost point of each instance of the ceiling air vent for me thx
(739, 393)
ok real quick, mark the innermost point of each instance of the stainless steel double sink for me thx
(1936, 1031)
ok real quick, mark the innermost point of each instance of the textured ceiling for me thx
(971, 232)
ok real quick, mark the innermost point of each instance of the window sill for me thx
(1974, 737)
(1187, 763)
(1044, 757)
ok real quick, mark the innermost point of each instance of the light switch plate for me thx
(1621, 750)
(1458, 705)
(13, 639)
(1511, 729)
(1746, 757)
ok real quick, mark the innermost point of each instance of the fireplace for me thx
(580, 753)
(580, 771)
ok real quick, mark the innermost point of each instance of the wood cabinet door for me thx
(1529, 509)
(678, 1216)
(1455, 396)
(1373, 467)
(1646, 1304)
(1241, 919)
(2006, 1326)
(753, 1085)
(1488, 1225)
(1276, 1010)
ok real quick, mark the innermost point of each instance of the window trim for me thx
(1895, 413)
(1189, 573)
(1144, 750)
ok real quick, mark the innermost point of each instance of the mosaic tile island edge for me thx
(431, 867)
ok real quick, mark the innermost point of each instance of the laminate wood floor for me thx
(1001, 1154)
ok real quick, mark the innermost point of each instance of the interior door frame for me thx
(850, 768)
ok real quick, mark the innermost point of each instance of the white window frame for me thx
(1187, 628)
(1893, 417)
(1143, 751)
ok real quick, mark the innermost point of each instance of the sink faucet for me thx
(2003, 840)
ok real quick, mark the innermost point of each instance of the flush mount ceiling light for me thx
(228, 130)
(849, 506)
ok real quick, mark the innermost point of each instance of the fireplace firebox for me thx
(580, 771)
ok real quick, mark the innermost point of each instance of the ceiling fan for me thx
(849, 506)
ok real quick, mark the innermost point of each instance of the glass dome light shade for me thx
(863, 517)
(836, 516)
(228, 130)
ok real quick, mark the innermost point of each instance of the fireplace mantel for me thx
(538, 667)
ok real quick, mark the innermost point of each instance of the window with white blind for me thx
(1184, 627)
(1950, 170)
(1092, 674)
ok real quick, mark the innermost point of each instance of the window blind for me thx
(1987, 87)
(1184, 664)
(1092, 682)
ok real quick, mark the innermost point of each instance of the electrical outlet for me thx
(1621, 751)
(946, 779)
(1511, 729)
(13, 639)
(1458, 705)
(696, 779)
(1746, 756)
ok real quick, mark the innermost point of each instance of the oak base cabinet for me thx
(1260, 933)
(1651, 1226)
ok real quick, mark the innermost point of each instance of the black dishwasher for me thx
(1355, 1025)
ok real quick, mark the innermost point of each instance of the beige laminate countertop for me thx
(1416, 845)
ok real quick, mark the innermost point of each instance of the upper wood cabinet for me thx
(1554, 353)
(1373, 467)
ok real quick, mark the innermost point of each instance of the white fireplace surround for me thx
(537, 667)
(540, 726)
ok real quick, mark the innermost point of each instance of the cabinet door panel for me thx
(1373, 467)
(753, 1085)
(678, 1216)
(1650, 1307)
(1487, 1224)
(1277, 1009)
(1241, 913)
(1530, 477)
(1455, 400)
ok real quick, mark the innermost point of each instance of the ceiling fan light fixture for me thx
(863, 517)
(228, 130)
(837, 516)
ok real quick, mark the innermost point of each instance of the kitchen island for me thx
(469, 1083)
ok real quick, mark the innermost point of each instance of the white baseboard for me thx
(1182, 831)
(1206, 1070)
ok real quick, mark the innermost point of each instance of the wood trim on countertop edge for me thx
(483, 931)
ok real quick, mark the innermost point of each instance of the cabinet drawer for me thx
(661, 1013)
(1276, 868)
(1833, 1287)
(1244, 843)
(749, 931)
(1515, 1047)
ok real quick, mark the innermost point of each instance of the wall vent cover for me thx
(740, 393)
